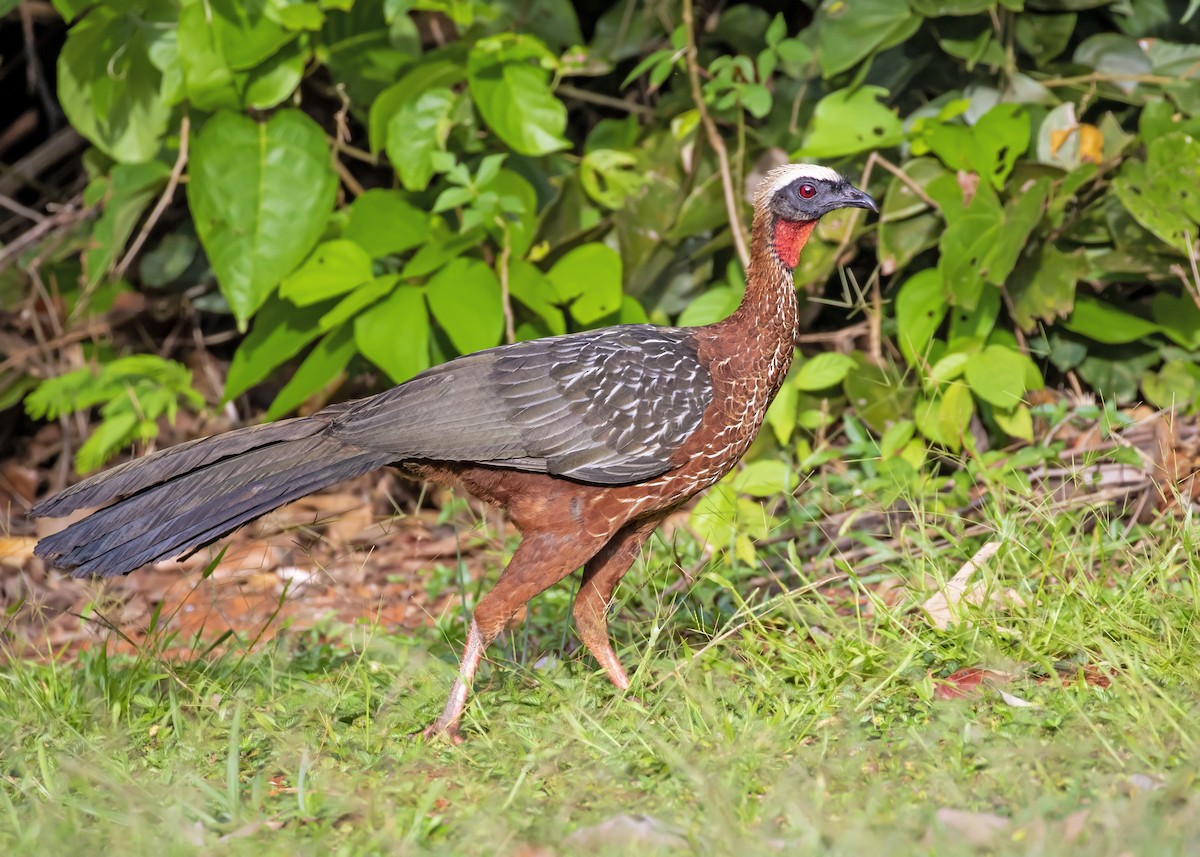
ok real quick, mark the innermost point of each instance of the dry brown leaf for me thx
(967, 682)
(15, 550)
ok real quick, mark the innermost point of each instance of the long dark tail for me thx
(189, 496)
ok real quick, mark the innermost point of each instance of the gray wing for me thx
(607, 406)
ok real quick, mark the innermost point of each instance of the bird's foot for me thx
(437, 729)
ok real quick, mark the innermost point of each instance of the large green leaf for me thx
(245, 31)
(1163, 193)
(432, 73)
(381, 222)
(208, 80)
(1042, 286)
(109, 88)
(850, 30)
(334, 268)
(850, 121)
(1021, 215)
(824, 370)
(394, 334)
(260, 194)
(965, 245)
(280, 330)
(1104, 322)
(464, 297)
(512, 91)
(589, 280)
(920, 307)
(997, 375)
(417, 130)
(323, 364)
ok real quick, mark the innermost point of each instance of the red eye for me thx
(807, 191)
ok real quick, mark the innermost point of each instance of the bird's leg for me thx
(600, 578)
(541, 560)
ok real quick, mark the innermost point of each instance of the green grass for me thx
(805, 722)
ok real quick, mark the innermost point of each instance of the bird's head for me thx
(793, 197)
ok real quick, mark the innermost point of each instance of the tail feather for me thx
(151, 470)
(175, 504)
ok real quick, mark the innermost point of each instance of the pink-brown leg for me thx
(541, 560)
(600, 577)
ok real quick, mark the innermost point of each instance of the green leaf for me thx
(439, 73)
(1015, 423)
(381, 222)
(514, 96)
(464, 297)
(965, 245)
(1104, 322)
(358, 300)
(1021, 215)
(944, 419)
(245, 33)
(272, 82)
(588, 279)
(920, 307)
(1042, 286)
(280, 330)
(260, 194)
(709, 307)
(108, 87)
(132, 187)
(324, 363)
(333, 268)
(1163, 194)
(823, 371)
(879, 397)
(990, 147)
(781, 413)
(1044, 37)
(1175, 385)
(608, 176)
(767, 477)
(1178, 318)
(851, 30)
(997, 375)
(529, 286)
(416, 131)
(394, 334)
(208, 80)
(850, 121)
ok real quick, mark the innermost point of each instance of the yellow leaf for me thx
(1091, 144)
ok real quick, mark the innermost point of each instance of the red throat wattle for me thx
(790, 238)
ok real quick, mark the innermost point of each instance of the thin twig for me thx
(67, 215)
(16, 208)
(714, 138)
(25, 171)
(34, 74)
(907, 180)
(602, 100)
(1103, 77)
(348, 178)
(505, 296)
(168, 193)
(852, 332)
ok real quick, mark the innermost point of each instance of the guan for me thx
(588, 440)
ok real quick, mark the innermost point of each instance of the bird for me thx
(588, 440)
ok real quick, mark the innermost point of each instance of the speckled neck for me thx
(767, 315)
(759, 337)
